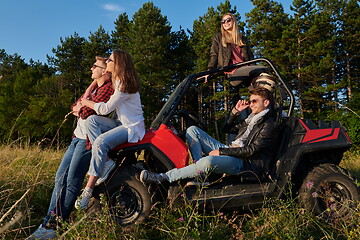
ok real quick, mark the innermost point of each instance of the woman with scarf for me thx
(253, 148)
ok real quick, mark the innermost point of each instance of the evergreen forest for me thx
(316, 47)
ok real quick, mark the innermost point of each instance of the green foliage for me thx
(350, 118)
(316, 48)
(182, 55)
(99, 44)
(266, 22)
(28, 88)
(162, 58)
(47, 109)
(150, 48)
(120, 36)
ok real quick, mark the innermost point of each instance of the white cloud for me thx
(112, 7)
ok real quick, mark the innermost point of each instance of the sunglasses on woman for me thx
(226, 20)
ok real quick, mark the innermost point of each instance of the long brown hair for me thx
(233, 36)
(124, 71)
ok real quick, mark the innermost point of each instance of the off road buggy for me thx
(307, 161)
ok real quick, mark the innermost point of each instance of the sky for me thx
(32, 28)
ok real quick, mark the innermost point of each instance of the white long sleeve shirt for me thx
(129, 112)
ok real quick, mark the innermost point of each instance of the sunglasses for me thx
(95, 66)
(226, 20)
(253, 101)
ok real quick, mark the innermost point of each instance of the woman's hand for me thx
(88, 103)
(206, 78)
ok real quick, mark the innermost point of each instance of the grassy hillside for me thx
(26, 181)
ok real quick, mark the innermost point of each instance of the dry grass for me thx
(26, 182)
(27, 174)
(351, 161)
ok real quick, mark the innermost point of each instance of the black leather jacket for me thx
(220, 55)
(260, 147)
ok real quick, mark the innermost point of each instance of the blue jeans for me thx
(104, 133)
(69, 178)
(199, 141)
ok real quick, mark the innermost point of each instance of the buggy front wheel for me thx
(328, 191)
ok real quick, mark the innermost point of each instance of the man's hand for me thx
(214, 153)
(241, 105)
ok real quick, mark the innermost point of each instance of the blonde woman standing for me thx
(229, 46)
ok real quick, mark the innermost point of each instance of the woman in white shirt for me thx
(106, 133)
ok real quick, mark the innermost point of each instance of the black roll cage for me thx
(168, 110)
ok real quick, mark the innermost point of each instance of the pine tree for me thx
(10, 67)
(297, 36)
(317, 71)
(99, 44)
(120, 36)
(182, 55)
(21, 94)
(265, 23)
(350, 45)
(47, 108)
(149, 47)
(69, 61)
(348, 66)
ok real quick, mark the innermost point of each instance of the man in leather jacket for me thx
(253, 148)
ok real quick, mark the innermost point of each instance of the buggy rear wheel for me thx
(329, 191)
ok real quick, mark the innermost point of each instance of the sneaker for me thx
(109, 166)
(84, 199)
(151, 177)
(43, 233)
(197, 183)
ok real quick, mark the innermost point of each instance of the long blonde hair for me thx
(124, 71)
(233, 36)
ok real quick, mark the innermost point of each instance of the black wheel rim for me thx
(334, 200)
(125, 205)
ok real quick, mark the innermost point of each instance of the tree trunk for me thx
(348, 87)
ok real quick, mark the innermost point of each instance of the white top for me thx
(128, 110)
(80, 131)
